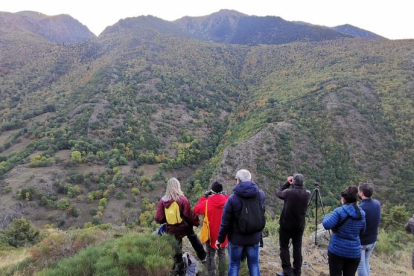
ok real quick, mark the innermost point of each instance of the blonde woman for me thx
(174, 209)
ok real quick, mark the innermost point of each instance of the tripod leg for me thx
(323, 210)
(316, 216)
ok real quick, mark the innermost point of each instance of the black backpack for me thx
(251, 218)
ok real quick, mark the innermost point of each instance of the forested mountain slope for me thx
(91, 131)
(356, 32)
(59, 29)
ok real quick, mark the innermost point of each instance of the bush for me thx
(93, 211)
(76, 212)
(391, 241)
(63, 204)
(7, 189)
(135, 191)
(20, 233)
(66, 244)
(132, 254)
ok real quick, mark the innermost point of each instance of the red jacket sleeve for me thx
(160, 215)
(200, 207)
(188, 214)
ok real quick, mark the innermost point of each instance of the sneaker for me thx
(204, 260)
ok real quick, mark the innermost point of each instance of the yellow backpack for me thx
(172, 214)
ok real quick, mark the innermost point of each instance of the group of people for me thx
(236, 222)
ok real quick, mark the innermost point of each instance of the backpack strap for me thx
(205, 213)
(359, 217)
(342, 222)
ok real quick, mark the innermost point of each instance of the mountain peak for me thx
(228, 12)
(356, 32)
(61, 28)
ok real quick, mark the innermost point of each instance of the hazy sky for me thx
(392, 19)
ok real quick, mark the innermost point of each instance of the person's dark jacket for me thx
(296, 202)
(372, 209)
(409, 227)
(228, 226)
(189, 217)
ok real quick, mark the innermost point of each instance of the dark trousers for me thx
(211, 264)
(197, 245)
(284, 237)
(340, 266)
(178, 256)
(178, 259)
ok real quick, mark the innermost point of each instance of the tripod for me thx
(317, 196)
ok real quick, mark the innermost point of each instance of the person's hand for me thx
(208, 193)
(290, 180)
(217, 244)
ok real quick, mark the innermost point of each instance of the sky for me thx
(391, 19)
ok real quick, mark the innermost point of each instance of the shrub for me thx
(76, 212)
(66, 244)
(103, 202)
(135, 191)
(96, 220)
(93, 211)
(63, 204)
(391, 241)
(20, 233)
(119, 195)
(7, 189)
(132, 254)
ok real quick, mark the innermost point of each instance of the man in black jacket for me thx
(240, 242)
(292, 223)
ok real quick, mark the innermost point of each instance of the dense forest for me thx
(91, 131)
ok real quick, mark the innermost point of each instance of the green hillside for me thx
(91, 131)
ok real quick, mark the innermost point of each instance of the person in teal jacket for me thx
(347, 223)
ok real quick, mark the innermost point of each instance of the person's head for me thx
(365, 190)
(243, 175)
(298, 179)
(173, 190)
(216, 187)
(349, 195)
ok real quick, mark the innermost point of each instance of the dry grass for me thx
(316, 260)
(63, 154)
(12, 257)
(19, 146)
(5, 135)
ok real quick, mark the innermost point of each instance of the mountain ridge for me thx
(58, 28)
(356, 32)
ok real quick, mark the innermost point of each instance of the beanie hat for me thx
(216, 187)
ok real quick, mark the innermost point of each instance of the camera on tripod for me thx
(317, 185)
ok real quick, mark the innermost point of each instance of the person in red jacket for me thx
(180, 229)
(215, 204)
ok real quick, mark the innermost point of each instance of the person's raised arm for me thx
(281, 194)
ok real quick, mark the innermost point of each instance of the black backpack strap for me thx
(359, 217)
(342, 222)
